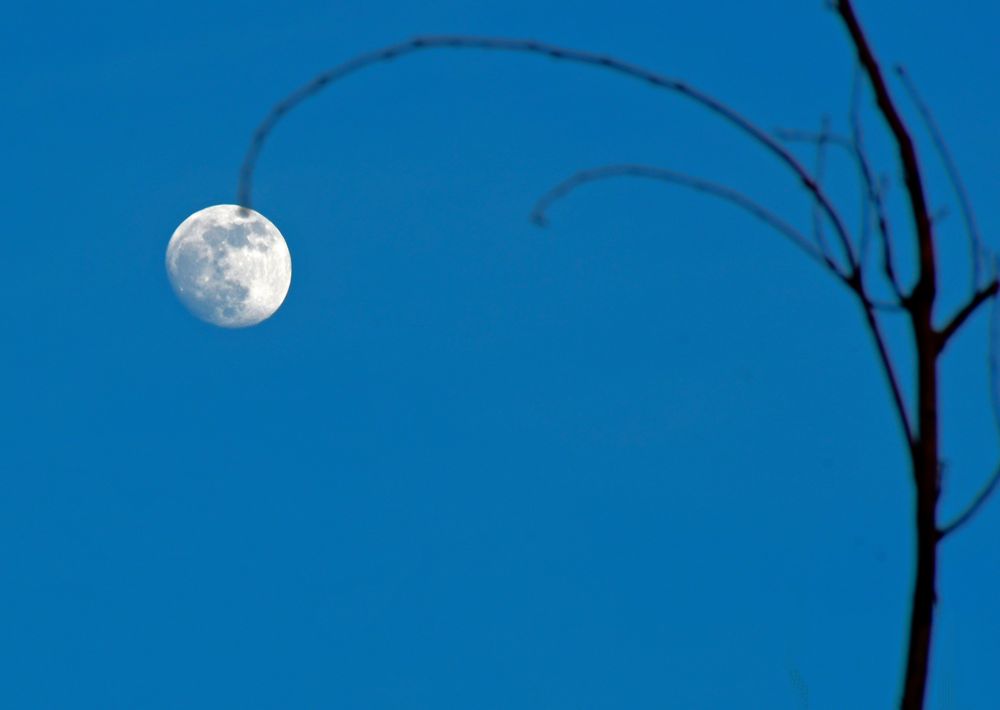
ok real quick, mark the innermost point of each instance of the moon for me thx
(229, 265)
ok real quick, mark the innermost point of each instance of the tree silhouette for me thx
(848, 260)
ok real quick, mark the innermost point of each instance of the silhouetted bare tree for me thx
(847, 259)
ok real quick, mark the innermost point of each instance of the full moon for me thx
(229, 265)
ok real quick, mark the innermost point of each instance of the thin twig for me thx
(794, 135)
(852, 281)
(870, 193)
(977, 299)
(819, 169)
(532, 47)
(954, 176)
(977, 503)
(873, 191)
(927, 281)
(861, 160)
(871, 319)
(819, 141)
(993, 364)
(564, 188)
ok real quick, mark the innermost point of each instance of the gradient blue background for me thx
(641, 459)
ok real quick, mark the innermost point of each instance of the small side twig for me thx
(993, 367)
(912, 176)
(973, 508)
(819, 170)
(888, 369)
(978, 298)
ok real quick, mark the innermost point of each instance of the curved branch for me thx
(852, 281)
(564, 188)
(819, 169)
(820, 141)
(978, 298)
(954, 176)
(974, 506)
(994, 480)
(618, 66)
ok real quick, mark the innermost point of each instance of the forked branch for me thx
(871, 194)
(924, 450)
(954, 176)
(927, 282)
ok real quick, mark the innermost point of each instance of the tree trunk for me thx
(925, 461)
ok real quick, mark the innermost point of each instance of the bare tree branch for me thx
(871, 320)
(993, 365)
(977, 503)
(819, 169)
(852, 281)
(954, 176)
(873, 192)
(907, 153)
(861, 160)
(613, 64)
(793, 135)
(564, 188)
(978, 298)
(820, 141)
(925, 449)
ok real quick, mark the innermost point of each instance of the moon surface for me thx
(229, 265)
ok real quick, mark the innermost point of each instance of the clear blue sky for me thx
(641, 459)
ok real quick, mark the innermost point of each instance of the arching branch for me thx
(820, 141)
(852, 281)
(539, 213)
(613, 64)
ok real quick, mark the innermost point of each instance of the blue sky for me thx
(641, 459)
